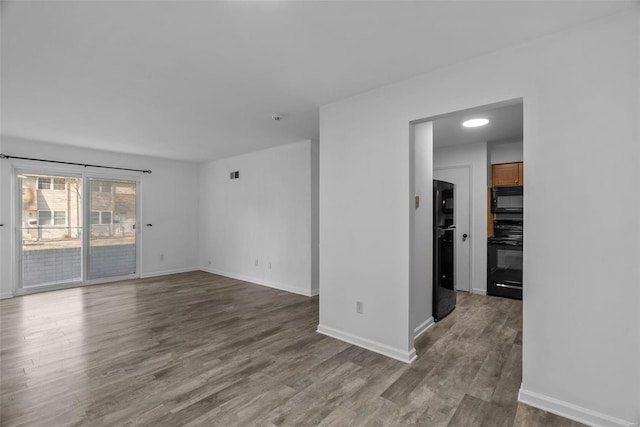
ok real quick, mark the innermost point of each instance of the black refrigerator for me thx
(444, 291)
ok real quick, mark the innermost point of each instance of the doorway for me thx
(74, 229)
(442, 147)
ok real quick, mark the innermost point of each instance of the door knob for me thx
(464, 237)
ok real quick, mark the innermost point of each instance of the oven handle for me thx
(502, 285)
(506, 243)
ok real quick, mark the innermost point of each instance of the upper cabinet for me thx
(507, 174)
(520, 173)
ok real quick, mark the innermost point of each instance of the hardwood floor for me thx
(201, 349)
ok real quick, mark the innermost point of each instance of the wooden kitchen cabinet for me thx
(521, 173)
(507, 174)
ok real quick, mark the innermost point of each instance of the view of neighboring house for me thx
(51, 208)
(113, 208)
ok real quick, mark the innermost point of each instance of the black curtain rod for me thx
(6, 156)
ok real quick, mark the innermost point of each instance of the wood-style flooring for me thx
(197, 349)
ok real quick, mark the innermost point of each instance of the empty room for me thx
(315, 213)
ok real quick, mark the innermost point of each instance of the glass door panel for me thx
(50, 230)
(112, 222)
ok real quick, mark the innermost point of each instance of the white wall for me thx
(421, 289)
(169, 202)
(265, 215)
(315, 214)
(474, 155)
(505, 152)
(581, 314)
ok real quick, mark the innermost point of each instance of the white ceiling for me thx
(199, 80)
(505, 124)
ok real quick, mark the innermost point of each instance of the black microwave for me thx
(507, 199)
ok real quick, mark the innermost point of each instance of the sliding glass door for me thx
(51, 229)
(74, 230)
(112, 222)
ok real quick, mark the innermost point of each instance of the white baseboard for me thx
(423, 327)
(394, 353)
(571, 411)
(167, 272)
(478, 291)
(275, 285)
(6, 295)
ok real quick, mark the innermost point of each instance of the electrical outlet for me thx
(161, 257)
(269, 265)
(359, 307)
(256, 263)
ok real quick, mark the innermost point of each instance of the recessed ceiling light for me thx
(474, 123)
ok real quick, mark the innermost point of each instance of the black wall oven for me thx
(504, 275)
(507, 200)
(504, 266)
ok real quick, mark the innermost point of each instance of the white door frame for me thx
(469, 168)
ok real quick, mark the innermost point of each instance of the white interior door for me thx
(459, 176)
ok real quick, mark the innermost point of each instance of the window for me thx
(44, 183)
(95, 217)
(51, 183)
(100, 187)
(106, 218)
(100, 217)
(59, 218)
(58, 183)
(46, 218)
